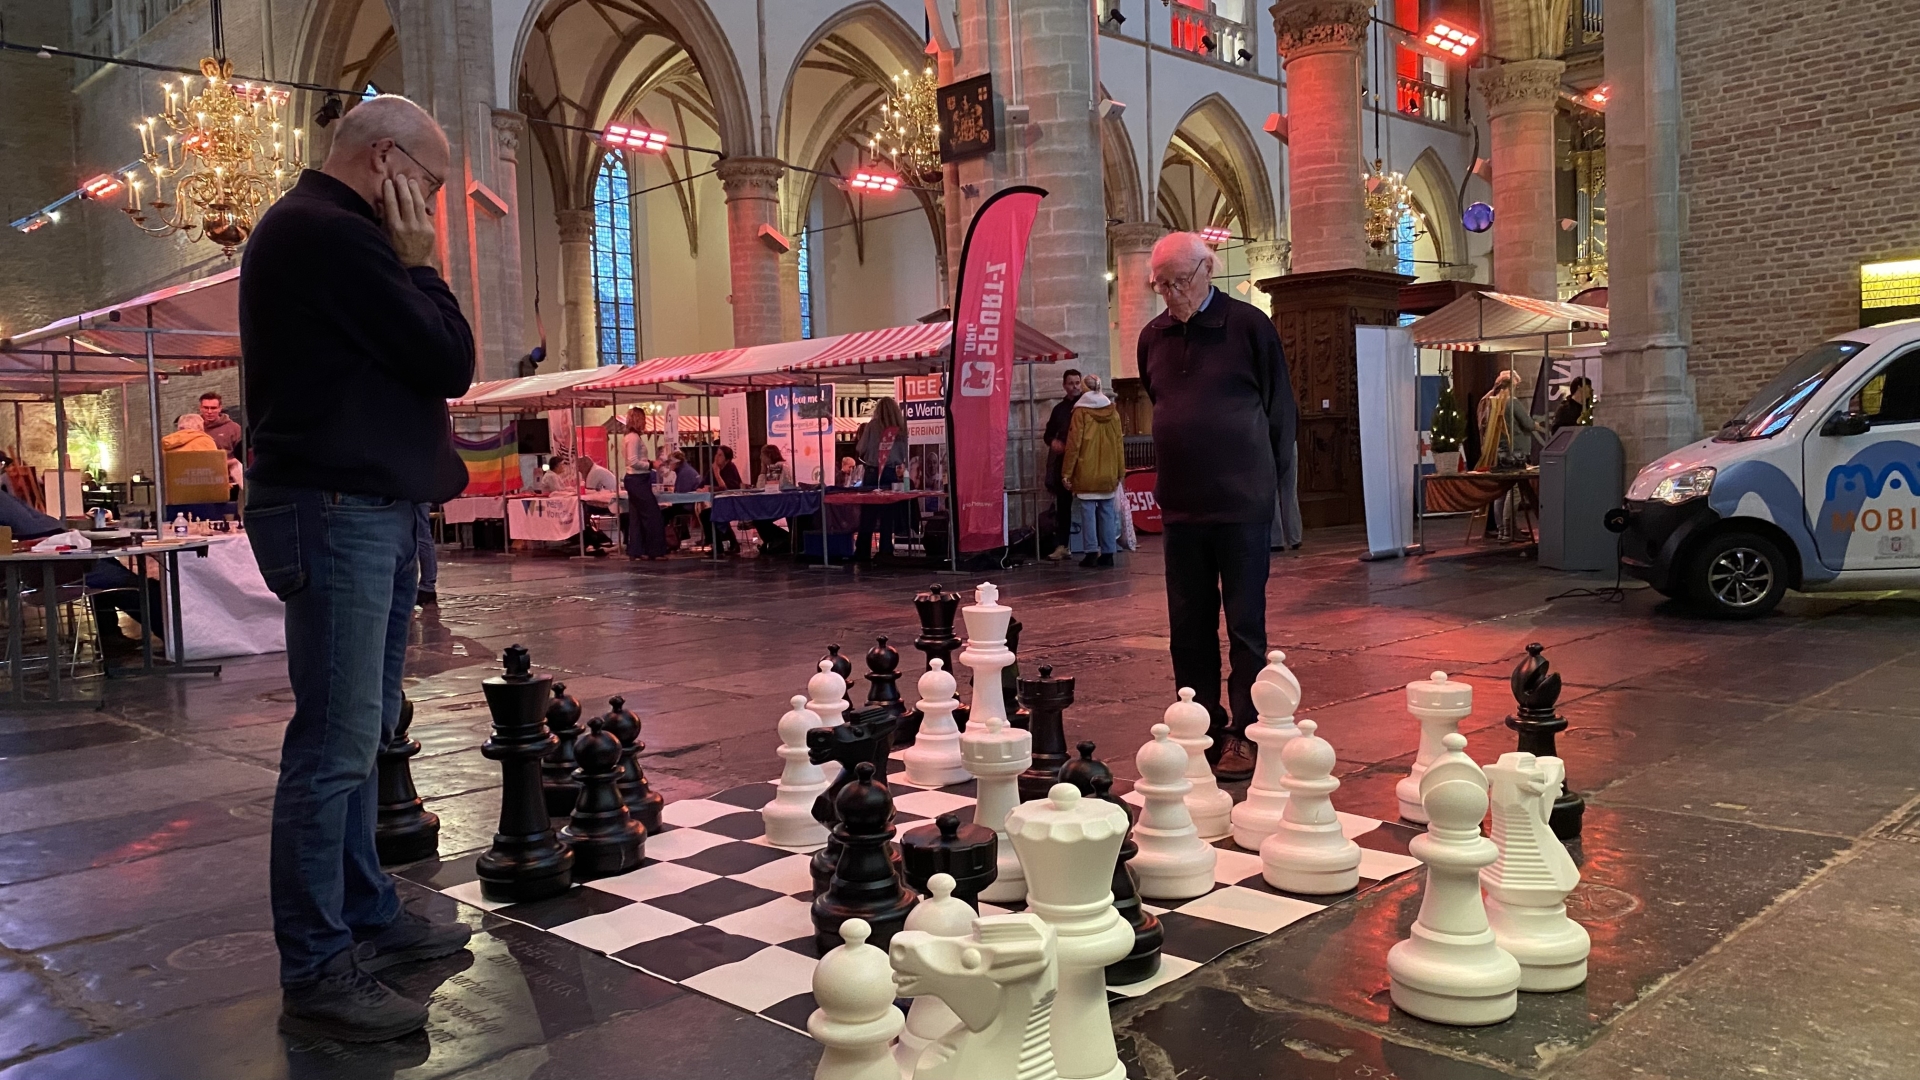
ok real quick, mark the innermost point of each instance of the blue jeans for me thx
(1210, 568)
(345, 565)
(1099, 524)
(429, 559)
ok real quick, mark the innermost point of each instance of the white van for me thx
(1814, 485)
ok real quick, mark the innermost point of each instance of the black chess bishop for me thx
(883, 691)
(643, 803)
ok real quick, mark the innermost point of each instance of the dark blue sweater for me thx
(350, 356)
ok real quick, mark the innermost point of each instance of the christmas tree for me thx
(1449, 424)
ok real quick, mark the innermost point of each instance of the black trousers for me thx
(1210, 567)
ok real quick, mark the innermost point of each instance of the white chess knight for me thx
(994, 751)
(1309, 853)
(1439, 704)
(934, 758)
(1068, 845)
(999, 982)
(1173, 863)
(942, 918)
(789, 817)
(1211, 808)
(1276, 694)
(1527, 885)
(1451, 971)
(827, 696)
(857, 1019)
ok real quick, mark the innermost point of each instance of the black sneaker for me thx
(410, 938)
(1105, 563)
(1089, 560)
(348, 1005)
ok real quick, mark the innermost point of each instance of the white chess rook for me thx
(999, 982)
(1069, 845)
(994, 751)
(857, 1019)
(934, 758)
(1211, 808)
(1527, 885)
(1173, 863)
(941, 918)
(1309, 853)
(1451, 971)
(1439, 704)
(1276, 694)
(789, 817)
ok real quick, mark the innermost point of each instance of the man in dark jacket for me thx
(1223, 414)
(1055, 437)
(353, 343)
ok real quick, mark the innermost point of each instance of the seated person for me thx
(851, 472)
(554, 479)
(30, 524)
(597, 487)
(774, 540)
(685, 477)
(726, 477)
(188, 434)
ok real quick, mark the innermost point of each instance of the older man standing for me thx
(353, 346)
(1223, 416)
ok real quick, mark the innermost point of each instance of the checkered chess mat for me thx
(717, 909)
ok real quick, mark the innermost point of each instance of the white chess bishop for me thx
(1210, 808)
(827, 696)
(941, 918)
(1173, 863)
(1527, 885)
(994, 751)
(1000, 980)
(1451, 971)
(1276, 694)
(1068, 845)
(934, 758)
(1439, 704)
(857, 1019)
(1309, 853)
(789, 817)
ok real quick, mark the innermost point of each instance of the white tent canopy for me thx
(1501, 322)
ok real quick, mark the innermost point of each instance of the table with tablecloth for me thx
(1459, 493)
(227, 604)
(471, 508)
(751, 505)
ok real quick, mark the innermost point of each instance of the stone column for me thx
(1321, 43)
(1267, 259)
(753, 199)
(1134, 301)
(579, 333)
(1521, 96)
(501, 285)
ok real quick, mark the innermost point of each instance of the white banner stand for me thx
(1388, 386)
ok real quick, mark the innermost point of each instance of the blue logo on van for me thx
(1877, 469)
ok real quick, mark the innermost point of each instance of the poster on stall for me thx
(560, 434)
(670, 426)
(800, 423)
(734, 433)
(923, 398)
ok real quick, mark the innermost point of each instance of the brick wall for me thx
(1800, 160)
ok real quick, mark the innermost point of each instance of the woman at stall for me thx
(774, 540)
(882, 451)
(725, 477)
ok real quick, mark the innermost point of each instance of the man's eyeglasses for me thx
(431, 175)
(1177, 285)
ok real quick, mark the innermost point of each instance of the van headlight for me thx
(1683, 486)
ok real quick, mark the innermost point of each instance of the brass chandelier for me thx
(1389, 205)
(908, 134)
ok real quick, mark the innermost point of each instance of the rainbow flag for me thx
(493, 461)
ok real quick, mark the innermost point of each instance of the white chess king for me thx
(1173, 863)
(1276, 694)
(994, 751)
(1527, 885)
(1309, 853)
(934, 758)
(1439, 704)
(1210, 807)
(789, 817)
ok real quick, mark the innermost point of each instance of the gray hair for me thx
(1185, 247)
(388, 116)
(1090, 383)
(190, 422)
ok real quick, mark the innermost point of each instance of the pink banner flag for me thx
(981, 382)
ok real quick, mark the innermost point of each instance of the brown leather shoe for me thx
(1236, 760)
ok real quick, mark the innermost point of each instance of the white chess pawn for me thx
(827, 696)
(857, 1019)
(789, 817)
(1276, 694)
(1308, 853)
(934, 758)
(1173, 863)
(930, 1018)
(1451, 970)
(1439, 704)
(1527, 885)
(1211, 808)
(996, 753)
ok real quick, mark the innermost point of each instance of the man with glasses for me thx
(353, 346)
(1223, 416)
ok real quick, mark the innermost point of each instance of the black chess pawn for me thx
(642, 801)
(842, 666)
(967, 851)
(404, 831)
(1010, 680)
(1045, 700)
(556, 769)
(883, 691)
(937, 609)
(527, 860)
(865, 738)
(864, 883)
(603, 837)
(1143, 962)
(1536, 687)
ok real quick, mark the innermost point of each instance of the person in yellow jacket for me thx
(1092, 470)
(189, 434)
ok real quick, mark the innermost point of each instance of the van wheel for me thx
(1738, 575)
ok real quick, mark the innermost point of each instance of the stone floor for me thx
(1752, 880)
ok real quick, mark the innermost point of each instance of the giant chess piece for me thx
(1017, 714)
(827, 695)
(995, 752)
(841, 666)
(1527, 885)
(1173, 863)
(1308, 853)
(857, 1019)
(1093, 779)
(864, 885)
(942, 916)
(1439, 704)
(863, 740)
(527, 860)
(883, 691)
(789, 817)
(1451, 971)
(604, 838)
(1046, 700)
(1001, 981)
(404, 831)
(937, 609)
(556, 769)
(1276, 694)
(1069, 845)
(969, 854)
(1536, 687)
(642, 801)
(1212, 809)
(934, 758)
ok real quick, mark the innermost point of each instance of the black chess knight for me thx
(937, 609)
(1045, 700)
(604, 838)
(1536, 687)
(864, 884)
(866, 737)
(642, 801)
(556, 769)
(404, 831)
(969, 852)
(883, 691)
(527, 860)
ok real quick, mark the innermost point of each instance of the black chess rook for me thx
(527, 860)
(1536, 688)
(643, 803)
(866, 738)
(556, 769)
(969, 852)
(1045, 700)
(604, 838)
(864, 884)
(404, 830)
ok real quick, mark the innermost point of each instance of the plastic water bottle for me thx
(180, 524)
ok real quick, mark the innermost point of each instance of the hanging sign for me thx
(966, 119)
(923, 399)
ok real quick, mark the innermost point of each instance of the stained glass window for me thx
(1403, 237)
(806, 285)
(613, 263)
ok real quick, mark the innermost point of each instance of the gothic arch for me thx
(1213, 136)
(1434, 187)
(326, 38)
(1121, 171)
